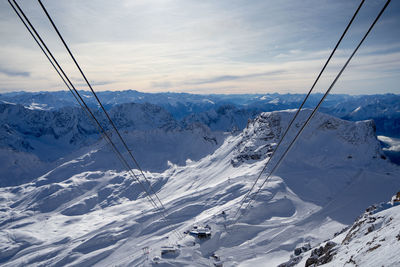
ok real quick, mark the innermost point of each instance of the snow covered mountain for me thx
(89, 212)
(49, 138)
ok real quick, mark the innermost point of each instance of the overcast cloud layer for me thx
(208, 46)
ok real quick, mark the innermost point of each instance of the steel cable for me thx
(315, 109)
(299, 109)
(83, 105)
(99, 102)
(77, 97)
(103, 109)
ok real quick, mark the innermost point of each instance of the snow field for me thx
(75, 215)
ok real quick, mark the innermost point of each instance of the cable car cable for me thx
(101, 105)
(98, 101)
(85, 107)
(83, 104)
(316, 108)
(300, 107)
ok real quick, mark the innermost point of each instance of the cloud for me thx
(95, 83)
(224, 78)
(161, 84)
(201, 46)
(14, 73)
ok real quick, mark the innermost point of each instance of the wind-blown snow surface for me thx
(76, 216)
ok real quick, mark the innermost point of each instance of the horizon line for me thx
(177, 92)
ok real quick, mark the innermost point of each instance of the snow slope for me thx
(83, 213)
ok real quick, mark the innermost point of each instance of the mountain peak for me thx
(262, 134)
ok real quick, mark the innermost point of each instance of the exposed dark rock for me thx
(310, 261)
(303, 248)
(292, 262)
(370, 229)
(297, 251)
(322, 255)
(397, 197)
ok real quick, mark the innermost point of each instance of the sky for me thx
(203, 46)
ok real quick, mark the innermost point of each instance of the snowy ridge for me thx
(372, 240)
(262, 134)
(22, 127)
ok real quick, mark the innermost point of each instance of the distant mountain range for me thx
(228, 112)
